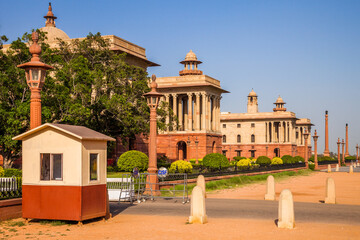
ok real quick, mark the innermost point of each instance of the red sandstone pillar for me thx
(347, 141)
(326, 151)
(338, 143)
(306, 135)
(35, 107)
(315, 149)
(343, 154)
(357, 152)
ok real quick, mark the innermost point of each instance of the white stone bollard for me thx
(286, 210)
(201, 183)
(330, 191)
(329, 168)
(270, 188)
(337, 168)
(198, 210)
(351, 170)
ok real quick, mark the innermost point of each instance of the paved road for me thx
(248, 209)
(343, 169)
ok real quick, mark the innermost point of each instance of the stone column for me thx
(197, 125)
(167, 120)
(306, 135)
(338, 143)
(209, 113)
(357, 152)
(174, 108)
(315, 137)
(273, 132)
(347, 141)
(181, 114)
(281, 135)
(218, 114)
(204, 112)
(190, 111)
(326, 151)
(186, 113)
(343, 153)
(213, 109)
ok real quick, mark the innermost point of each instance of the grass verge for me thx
(237, 181)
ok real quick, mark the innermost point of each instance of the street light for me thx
(306, 135)
(315, 149)
(153, 98)
(339, 155)
(35, 72)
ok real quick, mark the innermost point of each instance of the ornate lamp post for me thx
(197, 154)
(188, 149)
(338, 143)
(315, 149)
(153, 98)
(343, 154)
(306, 135)
(326, 151)
(35, 72)
(357, 152)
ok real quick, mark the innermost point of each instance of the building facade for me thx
(194, 99)
(272, 134)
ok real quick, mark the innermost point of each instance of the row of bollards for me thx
(286, 213)
(351, 168)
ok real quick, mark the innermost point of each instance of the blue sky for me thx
(306, 51)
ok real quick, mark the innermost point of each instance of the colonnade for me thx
(279, 132)
(197, 111)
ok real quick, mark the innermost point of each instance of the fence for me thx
(10, 187)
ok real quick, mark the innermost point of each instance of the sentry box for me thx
(64, 172)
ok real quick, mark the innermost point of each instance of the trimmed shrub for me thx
(215, 161)
(237, 158)
(287, 159)
(192, 161)
(263, 161)
(130, 159)
(311, 166)
(350, 158)
(1, 172)
(244, 162)
(298, 159)
(276, 161)
(180, 166)
(10, 172)
(325, 158)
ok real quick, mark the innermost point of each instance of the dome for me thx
(252, 93)
(53, 33)
(279, 100)
(191, 56)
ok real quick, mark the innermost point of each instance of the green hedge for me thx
(10, 172)
(287, 159)
(237, 158)
(180, 166)
(350, 158)
(276, 161)
(215, 161)
(131, 159)
(263, 161)
(298, 159)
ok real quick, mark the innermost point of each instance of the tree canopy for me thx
(90, 85)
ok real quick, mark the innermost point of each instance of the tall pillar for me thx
(315, 151)
(197, 125)
(190, 111)
(347, 141)
(186, 113)
(306, 156)
(218, 113)
(357, 152)
(209, 113)
(273, 132)
(174, 108)
(181, 114)
(326, 151)
(204, 112)
(343, 153)
(167, 120)
(213, 110)
(281, 135)
(338, 144)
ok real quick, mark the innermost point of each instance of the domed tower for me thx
(190, 65)
(279, 105)
(53, 33)
(252, 105)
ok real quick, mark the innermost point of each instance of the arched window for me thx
(238, 138)
(224, 139)
(253, 138)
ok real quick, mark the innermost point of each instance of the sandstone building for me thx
(195, 100)
(272, 134)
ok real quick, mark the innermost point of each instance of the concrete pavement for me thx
(248, 209)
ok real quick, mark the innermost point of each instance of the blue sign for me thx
(135, 172)
(162, 172)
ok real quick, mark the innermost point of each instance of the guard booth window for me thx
(51, 166)
(93, 166)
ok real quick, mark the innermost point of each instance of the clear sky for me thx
(308, 51)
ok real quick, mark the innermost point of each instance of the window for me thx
(239, 125)
(253, 125)
(238, 138)
(238, 153)
(51, 167)
(252, 154)
(93, 166)
(253, 138)
(224, 139)
(224, 125)
(224, 152)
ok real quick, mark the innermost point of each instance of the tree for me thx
(90, 85)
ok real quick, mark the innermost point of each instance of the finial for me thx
(347, 124)
(153, 84)
(326, 112)
(315, 132)
(35, 49)
(50, 18)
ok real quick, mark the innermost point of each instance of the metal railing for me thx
(10, 187)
